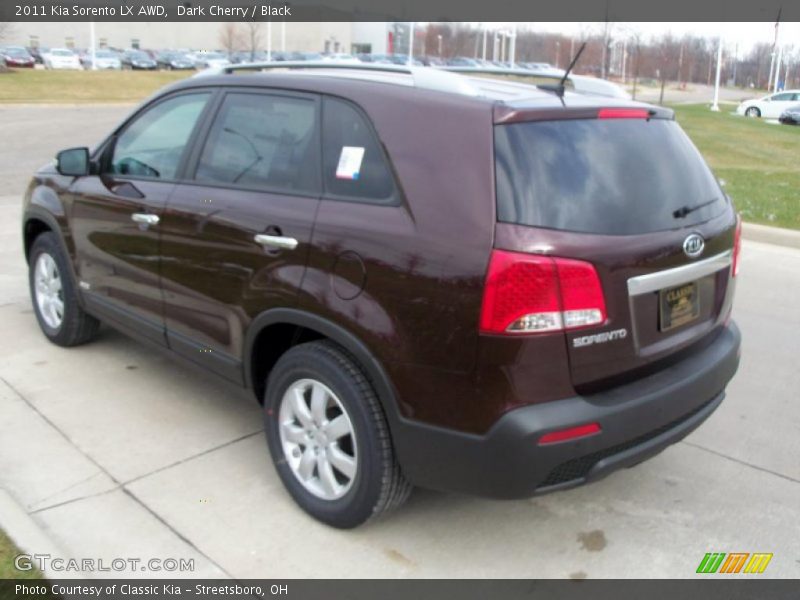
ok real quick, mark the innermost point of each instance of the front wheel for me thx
(328, 437)
(752, 112)
(55, 301)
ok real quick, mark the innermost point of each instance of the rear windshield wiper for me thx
(686, 209)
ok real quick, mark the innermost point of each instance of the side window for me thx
(263, 141)
(153, 144)
(782, 97)
(353, 164)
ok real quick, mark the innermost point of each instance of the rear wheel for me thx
(328, 437)
(752, 112)
(55, 302)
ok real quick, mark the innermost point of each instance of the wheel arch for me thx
(306, 327)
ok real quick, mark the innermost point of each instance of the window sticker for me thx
(349, 165)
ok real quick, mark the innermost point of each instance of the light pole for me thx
(439, 41)
(410, 44)
(715, 106)
(778, 68)
(512, 44)
(93, 45)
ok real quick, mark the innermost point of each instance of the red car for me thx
(17, 57)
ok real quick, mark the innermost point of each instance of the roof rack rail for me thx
(423, 77)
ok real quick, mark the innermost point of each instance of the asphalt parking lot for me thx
(116, 452)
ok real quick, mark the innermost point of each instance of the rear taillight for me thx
(527, 293)
(737, 245)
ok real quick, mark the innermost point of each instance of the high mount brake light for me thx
(623, 113)
(526, 293)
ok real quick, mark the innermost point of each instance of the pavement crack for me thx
(741, 462)
(193, 457)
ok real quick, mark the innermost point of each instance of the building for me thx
(278, 35)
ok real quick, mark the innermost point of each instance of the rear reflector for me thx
(569, 434)
(737, 245)
(526, 293)
(623, 113)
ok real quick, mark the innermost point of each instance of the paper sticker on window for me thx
(350, 162)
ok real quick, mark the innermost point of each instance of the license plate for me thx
(678, 305)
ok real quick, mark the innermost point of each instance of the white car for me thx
(103, 59)
(769, 107)
(210, 60)
(62, 58)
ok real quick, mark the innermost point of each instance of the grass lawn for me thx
(7, 553)
(48, 87)
(759, 162)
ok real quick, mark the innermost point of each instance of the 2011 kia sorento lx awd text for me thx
(427, 279)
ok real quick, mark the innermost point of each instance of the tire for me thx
(752, 112)
(69, 326)
(376, 484)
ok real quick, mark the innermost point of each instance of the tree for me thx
(230, 38)
(253, 38)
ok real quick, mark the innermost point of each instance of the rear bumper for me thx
(638, 420)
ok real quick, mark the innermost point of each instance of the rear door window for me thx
(353, 162)
(263, 141)
(606, 176)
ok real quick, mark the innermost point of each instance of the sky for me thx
(743, 35)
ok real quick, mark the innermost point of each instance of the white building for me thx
(288, 36)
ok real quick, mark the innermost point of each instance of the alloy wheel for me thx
(318, 439)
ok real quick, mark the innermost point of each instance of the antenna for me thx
(558, 88)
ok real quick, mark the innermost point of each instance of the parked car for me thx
(598, 87)
(206, 60)
(103, 60)
(769, 107)
(340, 57)
(791, 116)
(553, 306)
(174, 61)
(61, 58)
(138, 60)
(461, 61)
(37, 53)
(17, 57)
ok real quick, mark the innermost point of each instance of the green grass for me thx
(759, 162)
(7, 553)
(49, 87)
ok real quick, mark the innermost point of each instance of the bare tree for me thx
(5, 29)
(253, 38)
(230, 38)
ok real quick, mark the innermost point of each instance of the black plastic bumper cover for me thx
(638, 420)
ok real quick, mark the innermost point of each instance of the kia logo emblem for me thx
(693, 245)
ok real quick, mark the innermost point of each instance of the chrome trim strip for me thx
(652, 282)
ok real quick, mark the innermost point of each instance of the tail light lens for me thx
(737, 245)
(527, 293)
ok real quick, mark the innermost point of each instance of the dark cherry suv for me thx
(427, 279)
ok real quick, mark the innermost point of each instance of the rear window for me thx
(606, 176)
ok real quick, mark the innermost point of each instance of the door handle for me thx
(276, 241)
(145, 218)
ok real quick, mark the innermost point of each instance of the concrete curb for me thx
(771, 235)
(26, 533)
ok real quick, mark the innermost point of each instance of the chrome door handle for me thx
(145, 219)
(276, 241)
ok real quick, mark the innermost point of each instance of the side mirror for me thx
(73, 162)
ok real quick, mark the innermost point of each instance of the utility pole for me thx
(283, 36)
(269, 40)
(485, 33)
(778, 68)
(715, 106)
(624, 58)
(513, 44)
(410, 43)
(93, 46)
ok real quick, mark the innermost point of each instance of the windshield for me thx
(104, 54)
(21, 52)
(607, 176)
(61, 53)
